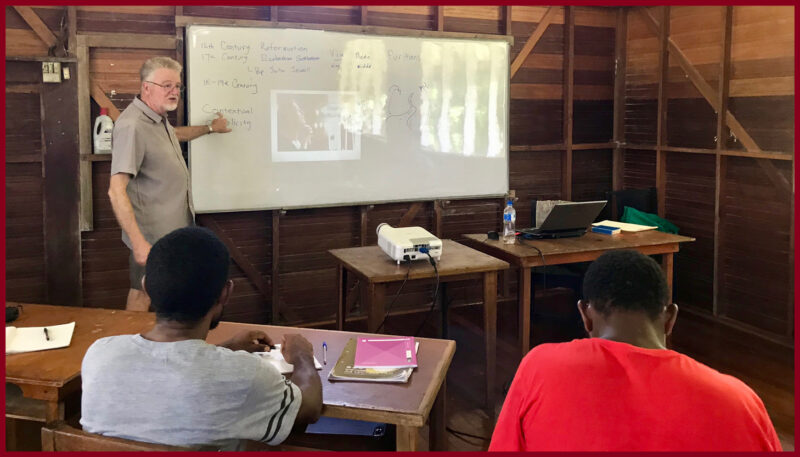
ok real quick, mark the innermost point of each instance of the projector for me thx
(408, 243)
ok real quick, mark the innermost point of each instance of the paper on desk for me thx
(275, 358)
(626, 227)
(29, 339)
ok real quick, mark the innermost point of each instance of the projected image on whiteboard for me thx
(307, 126)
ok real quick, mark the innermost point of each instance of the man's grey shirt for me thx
(144, 146)
(184, 393)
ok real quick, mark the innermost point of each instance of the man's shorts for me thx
(136, 273)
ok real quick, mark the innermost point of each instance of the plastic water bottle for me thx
(103, 126)
(509, 222)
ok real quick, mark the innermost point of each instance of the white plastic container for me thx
(103, 126)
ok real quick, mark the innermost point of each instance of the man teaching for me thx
(150, 188)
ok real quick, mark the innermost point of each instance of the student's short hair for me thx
(626, 280)
(185, 273)
(154, 63)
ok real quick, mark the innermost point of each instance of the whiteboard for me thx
(325, 118)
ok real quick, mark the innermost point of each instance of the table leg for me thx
(443, 304)
(524, 304)
(666, 266)
(341, 311)
(438, 420)
(407, 438)
(376, 306)
(490, 329)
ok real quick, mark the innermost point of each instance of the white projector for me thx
(408, 243)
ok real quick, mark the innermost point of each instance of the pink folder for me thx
(385, 352)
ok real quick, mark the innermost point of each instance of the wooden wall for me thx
(732, 193)
(564, 144)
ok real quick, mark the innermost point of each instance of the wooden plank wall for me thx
(286, 251)
(301, 282)
(751, 244)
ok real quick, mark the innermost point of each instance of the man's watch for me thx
(210, 129)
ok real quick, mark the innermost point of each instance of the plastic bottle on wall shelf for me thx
(103, 126)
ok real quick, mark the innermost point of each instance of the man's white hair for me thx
(154, 63)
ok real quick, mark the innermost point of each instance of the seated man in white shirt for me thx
(169, 386)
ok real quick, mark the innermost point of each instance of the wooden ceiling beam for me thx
(39, 27)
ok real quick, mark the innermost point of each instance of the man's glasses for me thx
(168, 87)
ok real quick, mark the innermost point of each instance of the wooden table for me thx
(47, 377)
(571, 250)
(458, 263)
(405, 405)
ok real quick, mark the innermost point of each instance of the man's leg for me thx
(138, 300)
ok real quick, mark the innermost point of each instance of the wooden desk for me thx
(49, 376)
(458, 263)
(571, 250)
(405, 405)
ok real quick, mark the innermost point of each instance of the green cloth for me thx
(634, 216)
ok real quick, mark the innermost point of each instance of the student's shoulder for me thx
(557, 352)
(725, 386)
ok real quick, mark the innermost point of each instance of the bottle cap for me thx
(104, 111)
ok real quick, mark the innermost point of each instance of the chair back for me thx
(642, 199)
(59, 436)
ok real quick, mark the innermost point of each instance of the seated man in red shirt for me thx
(621, 389)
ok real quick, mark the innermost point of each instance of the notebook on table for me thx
(385, 352)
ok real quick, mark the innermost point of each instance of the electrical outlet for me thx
(51, 72)
(65, 71)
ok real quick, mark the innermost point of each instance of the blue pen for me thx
(324, 353)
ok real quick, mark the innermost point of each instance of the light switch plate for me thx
(51, 72)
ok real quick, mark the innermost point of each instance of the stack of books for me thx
(606, 229)
(376, 359)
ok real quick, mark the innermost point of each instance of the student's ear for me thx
(670, 316)
(583, 308)
(225, 295)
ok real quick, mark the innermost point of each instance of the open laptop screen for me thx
(572, 216)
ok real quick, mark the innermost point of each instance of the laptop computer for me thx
(568, 219)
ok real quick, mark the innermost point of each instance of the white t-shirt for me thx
(184, 393)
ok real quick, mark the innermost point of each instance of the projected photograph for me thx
(307, 126)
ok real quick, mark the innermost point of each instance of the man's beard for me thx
(171, 107)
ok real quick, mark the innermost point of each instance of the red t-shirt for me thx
(601, 395)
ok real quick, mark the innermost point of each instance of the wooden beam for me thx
(84, 137)
(724, 78)
(438, 209)
(410, 214)
(661, 126)
(72, 29)
(206, 220)
(620, 61)
(99, 96)
(439, 18)
(569, 89)
(125, 40)
(725, 152)
(364, 218)
(276, 242)
(532, 40)
(61, 192)
(719, 174)
(507, 20)
(183, 21)
(364, 15)
(39, 27)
